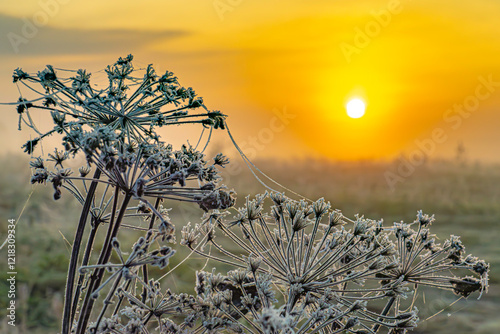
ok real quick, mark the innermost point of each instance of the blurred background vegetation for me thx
(464, 196)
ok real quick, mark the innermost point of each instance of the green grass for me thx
(464, 197)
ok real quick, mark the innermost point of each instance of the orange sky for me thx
(413, 62)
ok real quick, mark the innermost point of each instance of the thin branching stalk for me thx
(70, 281)
(105, 254)
(145, 267)
(85, 261)
(385, 311)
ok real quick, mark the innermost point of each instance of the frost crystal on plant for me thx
(287, 266)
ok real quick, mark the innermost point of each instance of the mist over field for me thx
(463, 195)
(380, 107)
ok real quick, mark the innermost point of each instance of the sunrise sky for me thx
(284, 70)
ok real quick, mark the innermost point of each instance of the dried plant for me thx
(295, 266)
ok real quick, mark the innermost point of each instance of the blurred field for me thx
(465, 197)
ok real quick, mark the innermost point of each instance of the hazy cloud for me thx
(22, 37)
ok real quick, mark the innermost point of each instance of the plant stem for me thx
(120, 299)
(107, 301)
(66, 320)
(85, 261)
(386, 310)
(145, 267)
(104, 256)
(145, 322)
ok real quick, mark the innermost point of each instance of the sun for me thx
(355, 108)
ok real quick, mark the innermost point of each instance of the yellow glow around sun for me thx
(355, 108)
